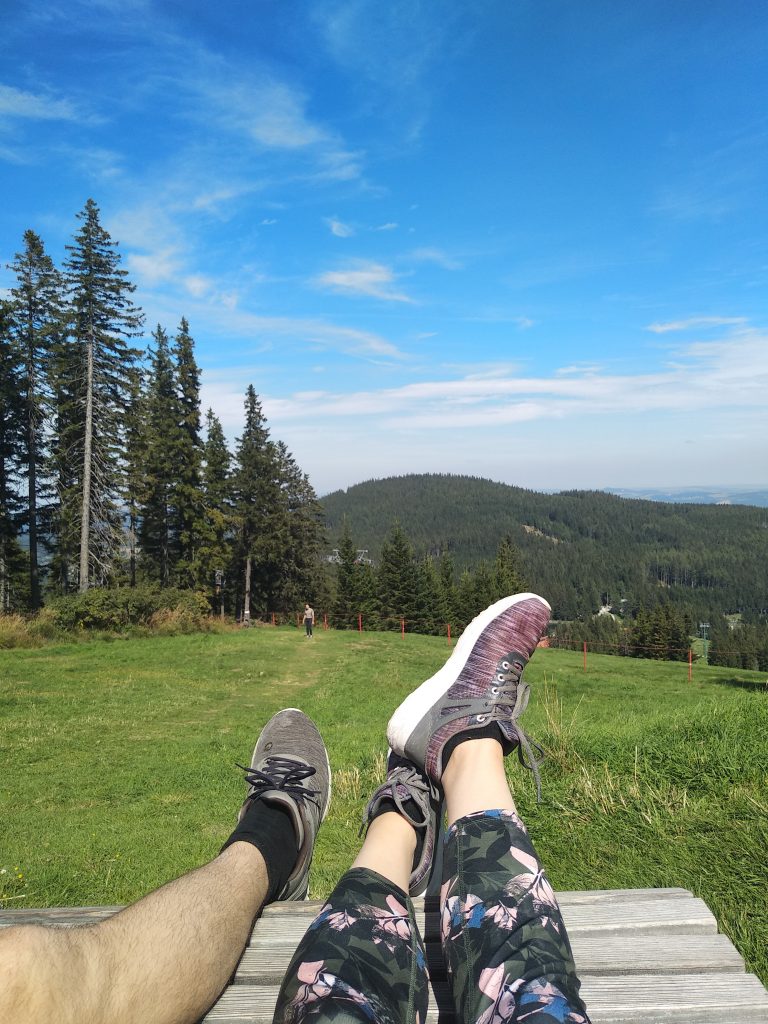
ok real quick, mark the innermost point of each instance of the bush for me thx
(120, 609)
(15, 632)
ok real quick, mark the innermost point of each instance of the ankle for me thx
(473, 756)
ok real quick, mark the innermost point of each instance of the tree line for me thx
(425, 594)
(107, 475)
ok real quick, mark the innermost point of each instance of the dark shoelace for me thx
(419, 789)
(284, 774)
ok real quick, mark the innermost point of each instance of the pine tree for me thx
(508, 576)
(11, 455)
(214, 552)
(37, 325)
(156, 530)
(397, 581)
(257, 508)
(299, 577)
(135, 463)
(103, 318)
(186, 486)
(448, 587)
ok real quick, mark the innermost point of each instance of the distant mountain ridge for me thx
(580, 548)
(698, 495)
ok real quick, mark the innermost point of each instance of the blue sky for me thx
(524, 240)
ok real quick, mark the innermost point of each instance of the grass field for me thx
(118, 763)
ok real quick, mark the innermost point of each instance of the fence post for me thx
(449, 634)
(359, 622)
(273, 619)
(402, 626)
(325, 620)
(585, 655)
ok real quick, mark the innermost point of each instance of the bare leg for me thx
(474, 779)
(163, 960)
(388, 849)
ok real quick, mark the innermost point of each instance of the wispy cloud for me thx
(731, 373)
(432, 255)
(391, 225)
(338, 228)
(35, 106)
(693, 322)
(364, 278)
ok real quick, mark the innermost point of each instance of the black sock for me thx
(491, 731)
(269, 827)
(388, 804)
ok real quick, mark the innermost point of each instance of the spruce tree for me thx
(37, 325)
(508, 577)
(187, 454)
(214, 552)
(299, 577)
(102, 319)
(397, 581)
(260, 533)
(156, 530)
(11, 455)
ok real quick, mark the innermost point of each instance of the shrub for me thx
(119, 609)
(15, 632)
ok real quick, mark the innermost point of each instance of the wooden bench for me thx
(645, 956)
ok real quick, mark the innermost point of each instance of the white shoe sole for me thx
(404, 721)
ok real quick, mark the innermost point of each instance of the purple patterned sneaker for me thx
(478, 685)
(412, 795)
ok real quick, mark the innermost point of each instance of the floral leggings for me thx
(506, 951)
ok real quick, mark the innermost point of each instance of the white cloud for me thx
(35, 106)
(338, 228)
(364, 278)
(391, 225)
(695, 321)
(269, 220)
(728, 374)
(432, 255)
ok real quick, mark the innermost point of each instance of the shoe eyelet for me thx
(481, 719)
(506, 666)
(495, 691)
(500, 677)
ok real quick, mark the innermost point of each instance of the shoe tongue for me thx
(274, 796)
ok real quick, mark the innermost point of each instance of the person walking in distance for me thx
(309, 619)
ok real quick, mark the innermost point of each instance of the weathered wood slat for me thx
(659, 999)
(648, 956)
(266, 960)
(610, 912)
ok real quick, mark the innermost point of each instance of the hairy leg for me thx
(163, 960)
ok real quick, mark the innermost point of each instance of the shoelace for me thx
(283, 773)
(509, 692)
(419, 789)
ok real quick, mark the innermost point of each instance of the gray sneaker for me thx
(480, 684)
(290, 767)
(407, 782)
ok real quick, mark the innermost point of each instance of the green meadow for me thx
(118, 763)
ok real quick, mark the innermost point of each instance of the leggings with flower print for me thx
(504, 944)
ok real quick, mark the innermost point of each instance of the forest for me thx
(108, 478)
(113, 485)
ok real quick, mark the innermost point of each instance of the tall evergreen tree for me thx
(397, 579)
(299, 577)
(11, 455)
(508, 576)
(214, 552)
(136, 441)
(103, 318)
(355, 587)
(37, 325)
(257, 505)
(187, 494)
(156, 530)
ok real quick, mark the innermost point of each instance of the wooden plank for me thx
(638, 915)
(652, 999)
(267, 959)
(630, 912)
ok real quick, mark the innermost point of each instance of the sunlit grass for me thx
(118, 763)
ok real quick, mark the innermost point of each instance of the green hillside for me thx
(580, 548)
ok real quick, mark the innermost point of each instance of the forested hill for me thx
(579, 548)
